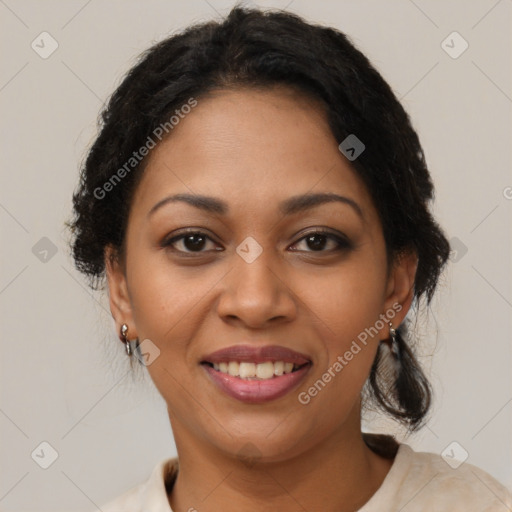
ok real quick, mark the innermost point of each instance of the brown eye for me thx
(192, 242)
(322, 241)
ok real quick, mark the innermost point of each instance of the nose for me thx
(256, 294)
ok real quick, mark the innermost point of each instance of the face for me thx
(265, 258)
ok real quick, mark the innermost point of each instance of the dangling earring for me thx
(395, 349)
(125, 340)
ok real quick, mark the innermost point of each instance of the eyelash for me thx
(342, 243)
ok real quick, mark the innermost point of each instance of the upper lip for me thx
(254, 354)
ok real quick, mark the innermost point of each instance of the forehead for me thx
(251, 147)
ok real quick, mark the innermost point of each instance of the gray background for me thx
(64, 376)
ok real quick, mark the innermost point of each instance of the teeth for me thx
(233, 367)
(247, 370)
(265, 370)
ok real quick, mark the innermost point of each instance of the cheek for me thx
(345, 360)
(165, 299)
(347, 304)
(349, 299)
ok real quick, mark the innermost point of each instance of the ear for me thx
(119, 298)
(400, 289)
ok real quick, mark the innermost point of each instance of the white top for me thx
(416, 482)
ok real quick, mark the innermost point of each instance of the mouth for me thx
(256, 375)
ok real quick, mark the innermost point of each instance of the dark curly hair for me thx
(251, 48)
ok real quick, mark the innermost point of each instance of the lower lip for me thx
(257, 391)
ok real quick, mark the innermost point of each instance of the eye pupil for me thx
(314, 243)
(194, 242)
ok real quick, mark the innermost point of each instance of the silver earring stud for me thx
(394, 341)
(125, 340)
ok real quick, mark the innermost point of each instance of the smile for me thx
(256, 374)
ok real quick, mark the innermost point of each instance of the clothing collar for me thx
(154, 496)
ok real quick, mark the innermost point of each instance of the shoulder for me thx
(148, 495)
(426, 481)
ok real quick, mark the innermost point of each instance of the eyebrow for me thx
(290, 206)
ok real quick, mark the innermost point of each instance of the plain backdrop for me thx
(64, 375)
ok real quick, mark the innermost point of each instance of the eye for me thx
(322, 241)
(190, 242)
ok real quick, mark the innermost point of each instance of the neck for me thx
(341, 474)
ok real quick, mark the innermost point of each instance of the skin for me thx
(254, 149)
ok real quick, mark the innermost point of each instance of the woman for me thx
(259, 205)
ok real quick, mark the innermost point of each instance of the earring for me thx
(394, 342)
(125, 340)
